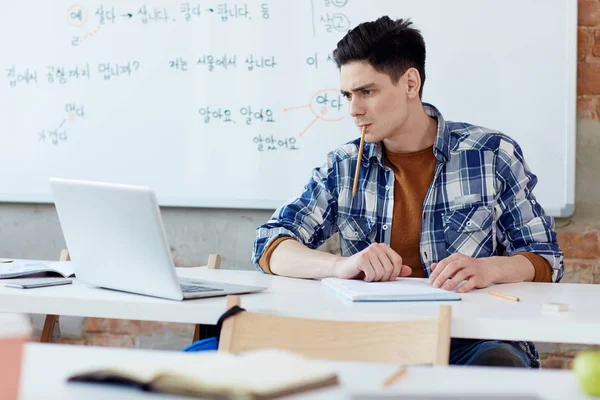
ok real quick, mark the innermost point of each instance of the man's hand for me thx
(378, 262)
(478, 272)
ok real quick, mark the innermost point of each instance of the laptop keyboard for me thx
(197, 288)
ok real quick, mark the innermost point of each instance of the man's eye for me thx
(347, 96)
(367, 92)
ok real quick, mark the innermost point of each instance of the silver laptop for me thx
(116, 239)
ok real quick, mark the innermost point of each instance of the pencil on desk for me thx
(360, 152)
(395, 376)
(503, 295)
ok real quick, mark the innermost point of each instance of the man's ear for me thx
(413, 83)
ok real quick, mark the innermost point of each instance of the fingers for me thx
(406, 270)
(392, 255)
(378, 268)
(396, 273)
(380, 263)
(388, 267)
(365, 266)
(446, 273)
(396, 260)
(468, 285)
(439, 267)
(465, 273)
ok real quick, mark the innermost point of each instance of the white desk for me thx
(47, 366)
(478, 315)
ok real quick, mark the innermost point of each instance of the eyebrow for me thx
(358, 89)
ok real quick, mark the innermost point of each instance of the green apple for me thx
(587, 369)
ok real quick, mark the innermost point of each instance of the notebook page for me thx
(261, 372)
(24, 267)
(401, 287)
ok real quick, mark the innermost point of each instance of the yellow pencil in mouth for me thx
(360, 152)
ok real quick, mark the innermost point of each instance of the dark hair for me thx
(391, 47)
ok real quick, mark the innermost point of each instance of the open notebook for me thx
(402, 289)
(35, 268)
(261, 374)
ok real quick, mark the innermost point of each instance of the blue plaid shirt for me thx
(480, 202)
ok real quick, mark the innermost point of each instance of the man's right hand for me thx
(378, 262)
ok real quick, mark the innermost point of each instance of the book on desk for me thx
(260, 374)
(35, 268)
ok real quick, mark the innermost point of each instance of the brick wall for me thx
(124, 333)
(588, 57)
(579, 236)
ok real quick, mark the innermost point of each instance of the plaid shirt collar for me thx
(440, 147)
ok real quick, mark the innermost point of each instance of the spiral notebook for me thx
(402, 289)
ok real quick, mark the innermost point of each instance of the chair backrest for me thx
(214, 260)
(403, 342)
(64, 255)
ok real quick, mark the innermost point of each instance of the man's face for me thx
(374, 100)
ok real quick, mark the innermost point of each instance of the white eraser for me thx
(555, 307)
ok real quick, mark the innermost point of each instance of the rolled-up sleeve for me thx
(310, 218)
(523, 225)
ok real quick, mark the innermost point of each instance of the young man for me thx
(435, 198)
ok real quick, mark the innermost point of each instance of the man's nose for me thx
(356, 108)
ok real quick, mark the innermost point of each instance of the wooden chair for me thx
(51, 329)
(204, 331)
(214, 262)
(404, 342)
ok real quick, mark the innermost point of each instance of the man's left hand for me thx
(478, 272)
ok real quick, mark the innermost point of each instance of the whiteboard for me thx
(231, 104)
